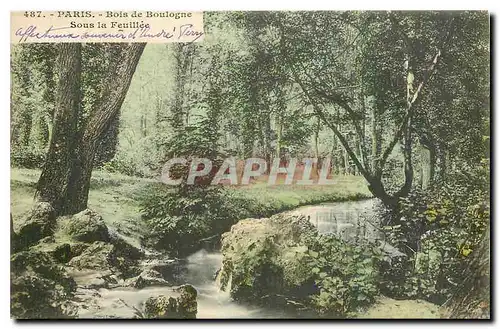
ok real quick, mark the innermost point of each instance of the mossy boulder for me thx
(123, 247)
(62, 253)
(161, 307)
(102, 256)
(78, 248)
(183, 307)
(39, 224)
(262, 258)
(147, 278)
(86, 226)
(187, 304)
(39, 287)
(98, 256)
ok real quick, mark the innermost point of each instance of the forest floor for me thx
(116, 197)
(388, 308)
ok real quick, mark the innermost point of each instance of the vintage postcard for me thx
(250, 165)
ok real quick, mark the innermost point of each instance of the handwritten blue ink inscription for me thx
(186, 32)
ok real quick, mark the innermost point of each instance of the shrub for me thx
(121, 166)
(346, 275)
(438, 229)
(178, 218)
(31, 158)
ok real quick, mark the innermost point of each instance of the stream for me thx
(342, 218)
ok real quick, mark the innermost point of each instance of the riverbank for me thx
(117, 198)
(106, 291)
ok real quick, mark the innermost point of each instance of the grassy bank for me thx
(264, 200)
(118, 198)
(114, 196)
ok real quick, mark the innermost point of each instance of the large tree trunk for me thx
(55, 178)
(65, 179)
(99, 124)
(108, 146)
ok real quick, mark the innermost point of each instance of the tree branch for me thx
(404, 124)
(327, 122)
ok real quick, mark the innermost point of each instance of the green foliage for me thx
(28, 157)
(346, 275)
(33, 99)
(32, 105)
(438, 230)
(121, 165)
(196, 140)
(177, 221)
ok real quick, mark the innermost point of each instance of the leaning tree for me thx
(369, 77)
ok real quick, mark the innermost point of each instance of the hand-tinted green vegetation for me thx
(399, 101)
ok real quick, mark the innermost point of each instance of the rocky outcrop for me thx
(79, 253)
(102, 256)
(62, 253)
(172, 270)
(92, 246)
(39, 224)
(183, 307)
(78, 248)
(86, 226)
(123, 247)
(39, 287)
(261, 258)
(98, 256)
(147, 278)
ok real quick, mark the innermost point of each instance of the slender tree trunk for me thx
(376, 149)
(442, 165)
(143, 126)
(346, 163)
(316, 145)
(279, 129)
(267, 132)
(335, 157)
(432, 164)
(183, 54)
